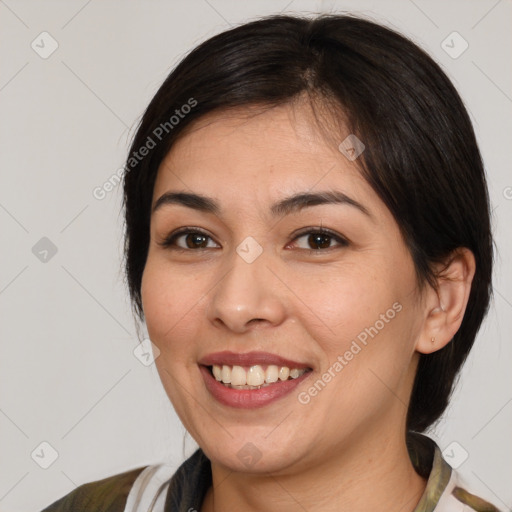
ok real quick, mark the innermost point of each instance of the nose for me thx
(246, 296)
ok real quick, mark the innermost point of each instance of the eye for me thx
(191, 238)
(320, 240)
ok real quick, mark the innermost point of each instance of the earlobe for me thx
(445, 307)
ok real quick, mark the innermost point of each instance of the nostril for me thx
(255, 320)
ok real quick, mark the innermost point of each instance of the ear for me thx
(445, 307)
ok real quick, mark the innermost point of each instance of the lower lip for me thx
(249, 398)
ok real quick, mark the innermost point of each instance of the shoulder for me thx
(106, 495)
(473, 501)
(446, 490)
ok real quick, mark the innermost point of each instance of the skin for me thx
(345, 449)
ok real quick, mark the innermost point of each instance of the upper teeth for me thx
(255, 376)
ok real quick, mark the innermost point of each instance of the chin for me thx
(252, 458)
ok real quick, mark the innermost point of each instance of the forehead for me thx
(254, 152)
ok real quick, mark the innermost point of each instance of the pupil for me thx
(196, 240)
(321, 240)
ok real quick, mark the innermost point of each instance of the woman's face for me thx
(253, 293)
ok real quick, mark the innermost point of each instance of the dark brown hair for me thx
(421, 154)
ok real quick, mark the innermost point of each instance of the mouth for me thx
(254, 377)
(251, 380)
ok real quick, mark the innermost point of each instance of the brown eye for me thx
(194, 240)
(321, 239)
(190, 239)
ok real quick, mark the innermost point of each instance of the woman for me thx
(308, 242)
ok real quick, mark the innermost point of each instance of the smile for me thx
(251, 380)
(255, 377)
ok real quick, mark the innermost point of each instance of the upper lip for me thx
(249, 359)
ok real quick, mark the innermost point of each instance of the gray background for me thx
(68, 375)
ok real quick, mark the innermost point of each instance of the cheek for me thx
(171, 302)
(344, 300)
(362, 314)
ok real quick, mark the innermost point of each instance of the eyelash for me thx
(169, 242)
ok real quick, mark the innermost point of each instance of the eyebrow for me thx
(283, 207)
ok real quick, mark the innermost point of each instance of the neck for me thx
(358, 476)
